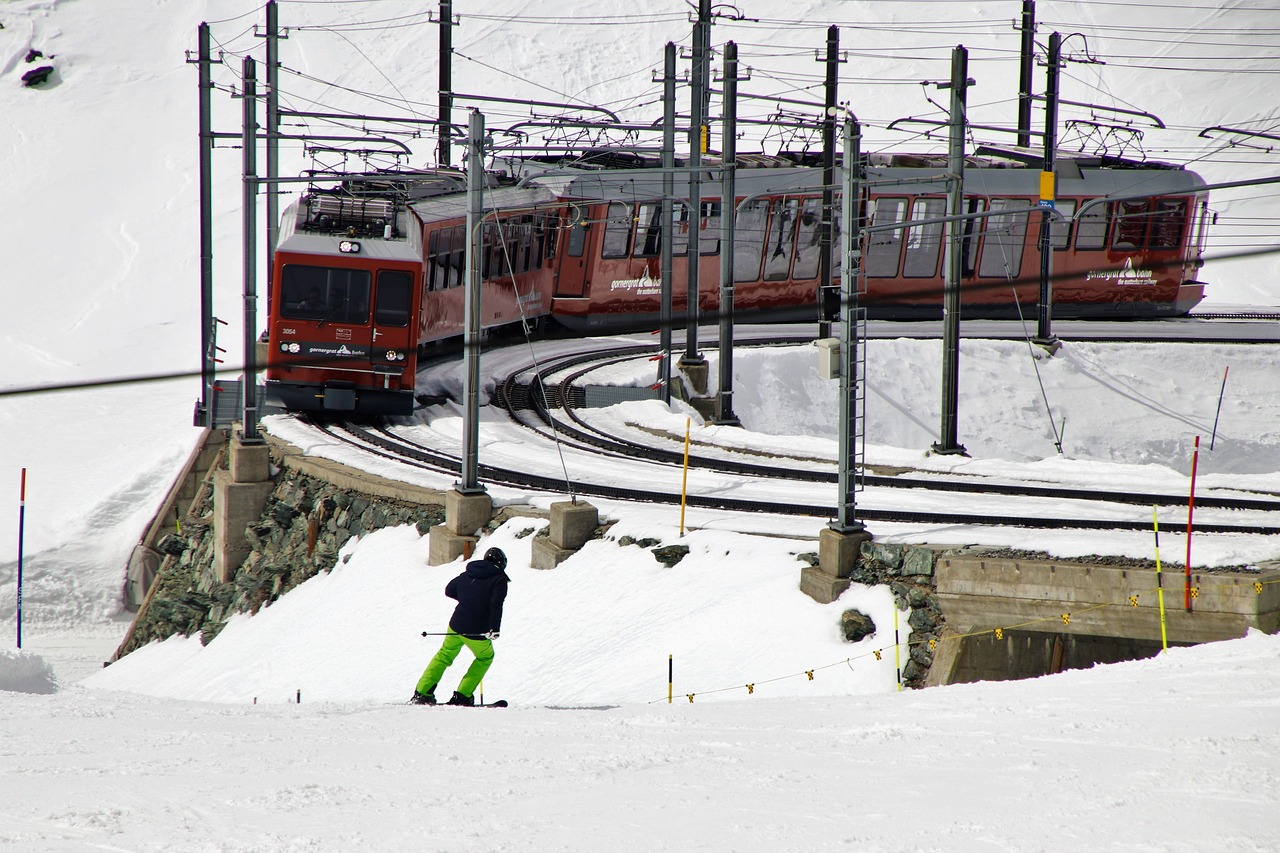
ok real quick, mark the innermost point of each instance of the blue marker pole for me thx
(22, 518)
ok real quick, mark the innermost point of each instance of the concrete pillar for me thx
(837, 556)
(572, 524)
(464, 514)
(239, 495)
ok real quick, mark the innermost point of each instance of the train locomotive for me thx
(369, 273)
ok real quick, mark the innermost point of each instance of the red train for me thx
(370, 272)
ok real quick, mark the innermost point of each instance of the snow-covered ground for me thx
(168, 750)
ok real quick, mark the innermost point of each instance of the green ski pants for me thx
(453, 643)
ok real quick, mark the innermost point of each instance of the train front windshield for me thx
(325, 294)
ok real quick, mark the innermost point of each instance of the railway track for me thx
(520, 453)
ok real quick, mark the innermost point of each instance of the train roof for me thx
(508, 198)
(990, 171)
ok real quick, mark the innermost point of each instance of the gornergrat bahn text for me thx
(370, 271)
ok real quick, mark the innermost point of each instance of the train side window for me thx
(648, 238)
(808, 240)
(885, 247)
(437, 259)
(1060, 228)
(577, 239)
(1168, 223)
(709, 239)
(1091, 228)
(393, 298)
(679, 229)
(749, 240)
(617, 231)
(553, 235)
(781, 240)
(1006, 238)
(924, 241)
(837, 255)
(1131, 225)
(972, 233)
(458, 255)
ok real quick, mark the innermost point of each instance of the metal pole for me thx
(954, 260)
(470, 483)
(850, 280)
(1024, 72)
(205, 411)
(728, 214)
(668, 189)
(273, 139)
(445, 127)
(22, 523)
(825, 246)
(1044, 314)
(697, 138)
(249, 145)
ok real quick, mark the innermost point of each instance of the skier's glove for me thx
(492, 635)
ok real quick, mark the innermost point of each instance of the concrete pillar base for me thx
(249, 463)
(545, 554)
(822, 587)
(573, 523)
(464, 514)
(838, 552)
(695, 372)
(445, 546)
(235, 507)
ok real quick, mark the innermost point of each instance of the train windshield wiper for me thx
(327, 317)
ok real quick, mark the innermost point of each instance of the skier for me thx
(479, 591)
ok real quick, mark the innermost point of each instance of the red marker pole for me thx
(22, 520)
(1191, 506)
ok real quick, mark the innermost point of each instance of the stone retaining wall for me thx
(306, 522)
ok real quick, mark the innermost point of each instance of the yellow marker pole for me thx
(897, 665)
(1164, 635)
(684, 482)
(670, 680)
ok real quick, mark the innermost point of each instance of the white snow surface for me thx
(207, 748)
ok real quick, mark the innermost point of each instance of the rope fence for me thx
(998, 633)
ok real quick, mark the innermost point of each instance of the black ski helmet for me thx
(495, 556)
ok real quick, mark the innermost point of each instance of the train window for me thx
(437, 259)
(679, 229)
(837, 255)
(1168, 223)
(553, 234)
(648, 238)
(458, 255)
(393, 298)
(1006, 238)
(1060, 228)
(1091, 228)
(749, 240)
(924, 241)
(884, 247)
(577, 237)
(325, 294)
(709, 239)
(781, 240)
(1131, 225)
(617, 231)
(972, 231)
(808, 239)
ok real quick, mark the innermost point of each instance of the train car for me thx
(1137, 256)
(369, 273)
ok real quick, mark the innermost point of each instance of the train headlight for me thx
(292, 348)
(392, 355)
(348, 247)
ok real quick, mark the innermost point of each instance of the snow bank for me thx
(22, 672)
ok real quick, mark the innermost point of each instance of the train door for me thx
(571, 274)
(392, 343)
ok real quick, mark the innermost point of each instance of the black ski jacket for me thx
(479, 591)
